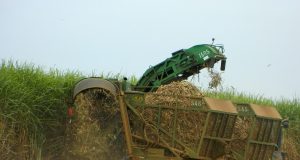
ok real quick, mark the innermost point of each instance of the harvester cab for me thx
(188, 127)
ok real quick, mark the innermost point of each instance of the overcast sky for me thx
(261, 38)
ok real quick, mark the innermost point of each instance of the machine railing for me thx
(179, 127)
(191, 127)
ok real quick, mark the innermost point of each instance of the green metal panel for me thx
(180, 66)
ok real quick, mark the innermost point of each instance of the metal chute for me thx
(90, 83)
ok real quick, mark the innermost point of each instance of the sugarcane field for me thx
(149, 80)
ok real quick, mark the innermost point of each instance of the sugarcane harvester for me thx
(212, 137)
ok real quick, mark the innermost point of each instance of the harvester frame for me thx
(260, 144)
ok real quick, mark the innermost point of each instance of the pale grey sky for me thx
(260, 37)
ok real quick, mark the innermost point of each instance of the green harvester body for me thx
(180, 66)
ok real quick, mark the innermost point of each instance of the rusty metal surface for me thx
(218, 121)
(126, 125)
(220, 105)
(265, 111)
(94, 83)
